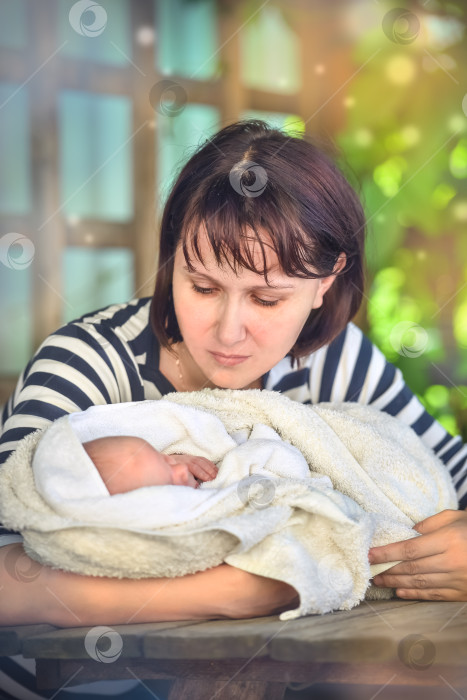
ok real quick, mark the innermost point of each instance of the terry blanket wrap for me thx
(301, 494)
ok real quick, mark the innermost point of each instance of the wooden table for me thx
(379, 642)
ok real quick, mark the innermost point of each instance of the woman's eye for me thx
(263, 302)
(209, 290)
(202, 290)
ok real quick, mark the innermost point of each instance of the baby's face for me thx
(165, 472)
(136, 463)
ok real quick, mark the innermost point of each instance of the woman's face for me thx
(236, 328)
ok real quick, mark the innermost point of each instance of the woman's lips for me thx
(229, 360)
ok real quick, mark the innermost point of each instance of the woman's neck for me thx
(184, 375)
(178, 367)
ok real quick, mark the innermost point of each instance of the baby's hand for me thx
(200, 467)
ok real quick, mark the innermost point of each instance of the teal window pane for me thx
(177, 139)
(15, 183)
(94, 278)
(96, 162)
(15, 329)
(187, 42)
(98, 32)
(270, 57)
(13, 32)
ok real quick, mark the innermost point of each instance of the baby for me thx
(126, 462)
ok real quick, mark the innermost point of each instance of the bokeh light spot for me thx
(437, 396)
(400, 70)
(349, 102)
(411, 135)
(398, 141)
(458, 160)
(442, 195)
(457, 122)
(293, 125)
(363, 137)
(459, 210)
(388, 175)
(459, 323)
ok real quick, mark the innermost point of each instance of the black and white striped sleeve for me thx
(353, 369)
(76, 367)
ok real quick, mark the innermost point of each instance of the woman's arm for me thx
(66, 599)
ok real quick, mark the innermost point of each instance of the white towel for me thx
(301, 494)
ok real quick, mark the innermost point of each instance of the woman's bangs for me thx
(234, 234)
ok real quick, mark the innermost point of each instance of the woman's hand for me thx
(433, 566)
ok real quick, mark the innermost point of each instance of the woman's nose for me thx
(231, 328)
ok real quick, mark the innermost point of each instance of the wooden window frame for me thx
(226, 93)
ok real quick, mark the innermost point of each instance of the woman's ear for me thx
(326, 282)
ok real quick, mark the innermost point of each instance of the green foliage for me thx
(406, 130)
(448, 406)
(406, 141)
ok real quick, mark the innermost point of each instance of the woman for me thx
(260, 272)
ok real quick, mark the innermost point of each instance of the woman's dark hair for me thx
(251, 176)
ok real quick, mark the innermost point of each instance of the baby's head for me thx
(134, 463)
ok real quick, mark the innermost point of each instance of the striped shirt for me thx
(112, 356)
